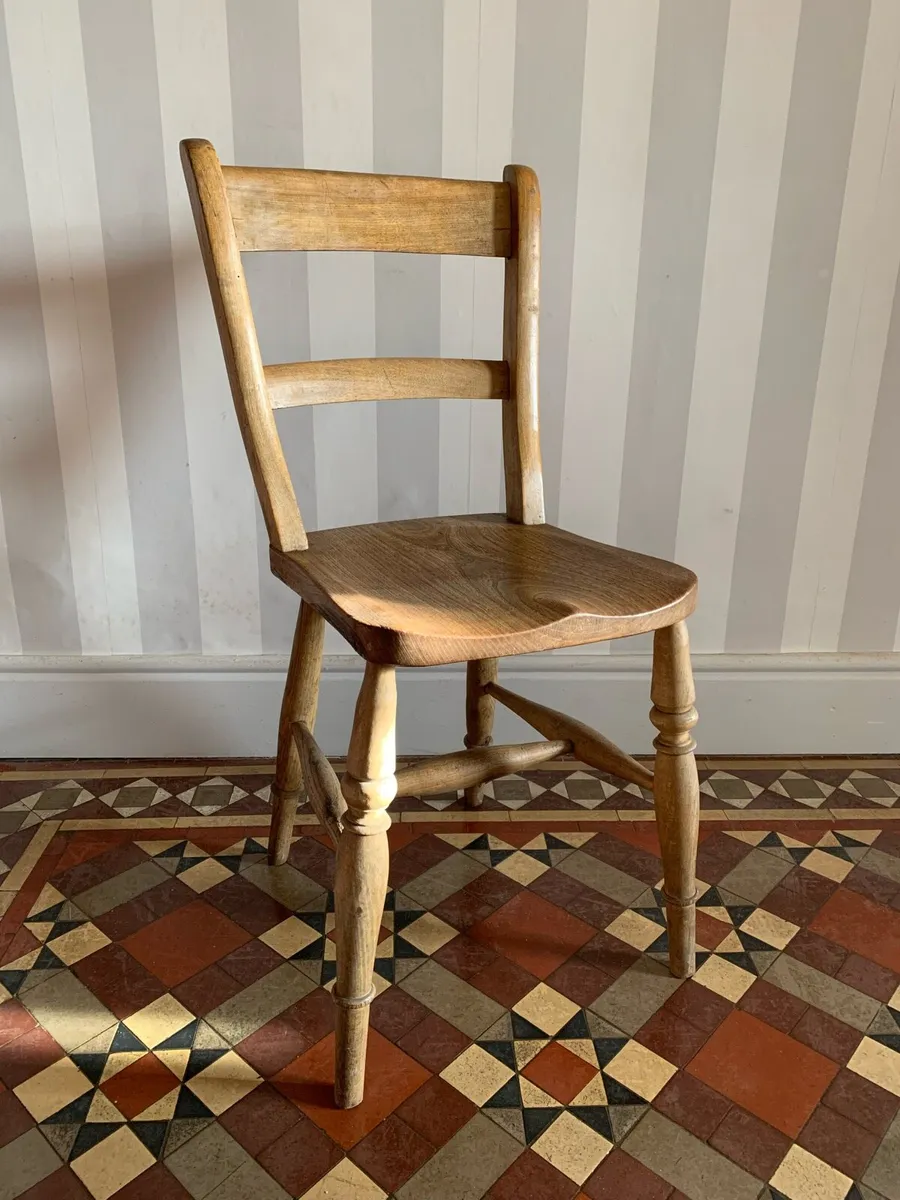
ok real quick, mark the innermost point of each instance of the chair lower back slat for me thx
(335, 381)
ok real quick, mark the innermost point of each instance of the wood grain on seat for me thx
(449, 589)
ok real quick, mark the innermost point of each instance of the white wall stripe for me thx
(337, 135)
(57, 155)
(859, 313)
(496, 70)
(192, 65)
(459, 159)
(762, 39)
(615, 130)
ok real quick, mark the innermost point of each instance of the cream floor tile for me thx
(428, 933)
(119, 1061)
(344, 1181)
(224, 1082)
(112, 1163)
(477, 1074)
(641, 1069)
(204, 875)
(290, 936)
(572, 1147)
(593, 1093)
(877, 1063)
(78, 943)
(159, 1020)
(522, 868)
(724, 978)
(546, 1008)
(802, 1176)
(162, 1110)
(52, 1089)
(769, 928)
(827, 865)
(634, 929)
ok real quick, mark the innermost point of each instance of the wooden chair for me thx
(434, 590)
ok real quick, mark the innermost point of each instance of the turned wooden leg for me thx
(301, 696)
(479, 716)
(369, 786)
(676, 791)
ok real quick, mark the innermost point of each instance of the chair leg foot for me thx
(361, 874)
(676, 790)
(301, 696)
(479, 717)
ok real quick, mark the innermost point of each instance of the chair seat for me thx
(449, 589)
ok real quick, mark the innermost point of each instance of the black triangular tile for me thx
(183, 1039)
(49, 914)
(891, 1040)
(749, 942)
(606, 1048)
(799, 853)
(660, 946)
(385, 968)
(406, 916)
(710, 899)
(175, 851)
(541, 856)
(199, 1060)
(595, 1116)
(90, 1135)
(652, 914)
(91, 1065)
(509, 1096)
(555, 843)
(152, 1134)
(498, 856)
(190, 1107)
(252, 846)
(125, 1041)
(72, 1114)
(231, 861)
(315, 920)
(575, 1027)
(742, 960)
(503, 1051)
(618, 1093)
(739, 912)
(844, 838)
(315, 950)
(523, 1030)
(836, 852)
(47, 961)
(480, 843)
(62, 927)
(329, 972)
(536, 1120)
(12, 980)
(772, 842)
(405, 949)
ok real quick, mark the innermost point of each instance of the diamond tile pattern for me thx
(166, 1028)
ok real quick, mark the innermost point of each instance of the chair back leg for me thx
(301, 697)
(361, 874)
(676, 791)
(479, 716)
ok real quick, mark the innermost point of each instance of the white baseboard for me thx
(228, 707)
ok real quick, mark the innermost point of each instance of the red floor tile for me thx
(157, 1183)
(391, 1153)
(578, 980)
(710, 932)
(692, 1104)
(532, 1178)
(862, 1101)
(859, 924)
(179, 945)
(391, 1076)
(434, 1042)
(260, 1118)
(621, 1177)
(559, 1072)
(300, 1156)
(14, 1118)
(26, 1055)
(868, 977)
(838, 1141)
(15, 1020)
(139, 1085)
(533, 933)
(772, 1005)
(764, 1070)
(751, 1143)
(394, 1013)
(829, 1036)
(436, 1111)
(118, 980)
(504, 981)
(699, 1006)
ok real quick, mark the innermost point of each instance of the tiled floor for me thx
(166, 1029)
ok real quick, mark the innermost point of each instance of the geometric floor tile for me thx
(165, 1019)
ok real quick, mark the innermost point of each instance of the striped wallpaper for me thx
(720, 329)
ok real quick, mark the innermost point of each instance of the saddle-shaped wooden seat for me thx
(451, 589)
(436, 590)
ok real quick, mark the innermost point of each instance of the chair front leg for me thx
(301, 698)
(361, 876)
(479, 716)
(676, 790)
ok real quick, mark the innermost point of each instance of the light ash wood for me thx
(470, 768)
(237, 332)
(322, 784)
(339, 380)
(361, 875)
(587, 743)
(676, 790)
(521, 306)
(300, 701)
(479, 717)
(278, 209)
(449, 589)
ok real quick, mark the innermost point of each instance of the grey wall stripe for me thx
(549, 85)
(872, 602)
(124, 103)
(264, 57)
(830, 49)
(687, 88)
(407, 80)
(30, 472)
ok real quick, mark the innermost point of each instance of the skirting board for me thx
(788, 704)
